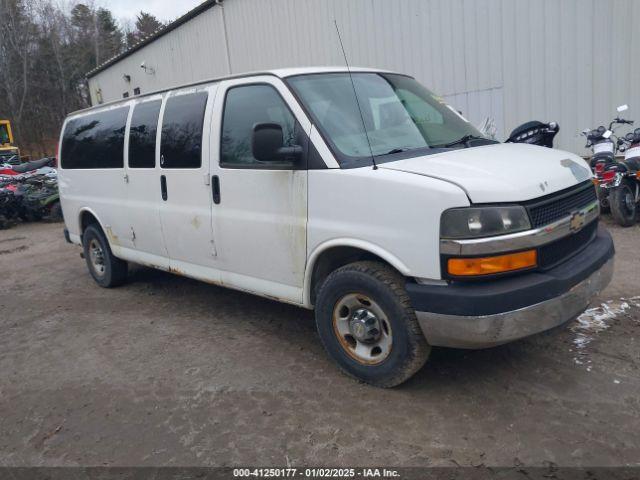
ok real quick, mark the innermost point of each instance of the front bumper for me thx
(480, 315)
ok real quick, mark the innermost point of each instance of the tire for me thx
(55, 212)
(33, 216)
(604, 199)
(375, 289)
(107, 270)
(624, 208)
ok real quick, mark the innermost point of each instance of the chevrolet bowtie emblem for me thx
(577, 221)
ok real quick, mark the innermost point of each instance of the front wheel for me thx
(624, 207)
(107, 270)
(367, 325)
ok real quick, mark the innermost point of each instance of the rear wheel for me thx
(367, 325)
(624, 207)
(603, 198)
(107, 270)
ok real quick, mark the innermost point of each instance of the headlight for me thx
(475, 222)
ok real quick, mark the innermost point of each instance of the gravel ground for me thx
(170, 371)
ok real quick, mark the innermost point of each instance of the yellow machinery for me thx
(8, 152)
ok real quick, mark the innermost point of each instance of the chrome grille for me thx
(557, 252)
(560, 204)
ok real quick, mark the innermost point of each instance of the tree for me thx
(146, 24)
(97, 33)
(17, 34)
(45, 54)
(109, 37)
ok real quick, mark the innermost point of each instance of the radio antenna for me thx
(355, 94)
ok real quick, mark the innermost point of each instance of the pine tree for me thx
(45, 54)
(110, 37)
(146, 24)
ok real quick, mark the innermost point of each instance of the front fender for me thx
(366, 246)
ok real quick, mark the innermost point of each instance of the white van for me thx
(389, 213)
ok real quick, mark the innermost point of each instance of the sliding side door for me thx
(143, 175)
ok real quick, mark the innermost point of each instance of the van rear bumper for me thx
(480, 315)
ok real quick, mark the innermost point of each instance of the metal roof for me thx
(204, 6)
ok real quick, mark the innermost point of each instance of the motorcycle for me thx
(41, 200)
(625, 194)
(30, 195)
(9, 205)
(603, 163)
(535, 133)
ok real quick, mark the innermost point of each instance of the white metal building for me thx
(572, 61)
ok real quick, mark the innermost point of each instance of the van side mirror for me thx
(267, 144)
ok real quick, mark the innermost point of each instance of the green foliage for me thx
(146, 24)
(45, 54)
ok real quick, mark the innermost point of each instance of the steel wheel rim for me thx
(96, 257)
(362, 329)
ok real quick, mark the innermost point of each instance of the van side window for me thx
(181, 140)
(95, 140)
(244, 107)
(142, 134)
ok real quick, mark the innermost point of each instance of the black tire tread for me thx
(118, 268)
(395, 283)
(55, 212)
(617, 211)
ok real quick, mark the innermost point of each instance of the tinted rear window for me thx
(181, 143)
(95, 140)
(142, 134)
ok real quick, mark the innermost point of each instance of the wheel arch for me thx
(87, 217)
(336, 253)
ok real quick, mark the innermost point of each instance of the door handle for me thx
(215, 189)
(163, 187)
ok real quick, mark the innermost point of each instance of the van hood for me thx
(505, 172)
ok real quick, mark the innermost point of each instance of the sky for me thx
(164, 10)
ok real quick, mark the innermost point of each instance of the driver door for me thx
(260, 208)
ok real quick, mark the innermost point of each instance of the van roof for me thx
(280, 72)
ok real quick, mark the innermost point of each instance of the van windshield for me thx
(399, 114)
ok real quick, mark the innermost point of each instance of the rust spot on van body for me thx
(113, 238)
(177, 271)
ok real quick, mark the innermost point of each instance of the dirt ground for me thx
(170, 371)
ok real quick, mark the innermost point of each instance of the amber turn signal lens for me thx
(490, 265)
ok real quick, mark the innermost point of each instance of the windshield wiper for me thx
(464, 140)
(396, 150)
